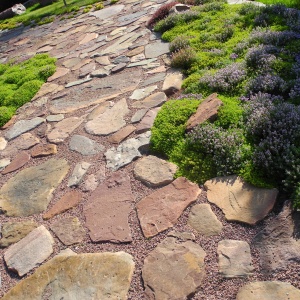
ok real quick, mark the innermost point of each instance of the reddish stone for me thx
(20, 160)
(9, 123)
(147, 121)
(43, 150)
(121, 135)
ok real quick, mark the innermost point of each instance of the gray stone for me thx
(78, 82)
(153, 100)
(23, 126)
(138, 115)
(141, 63)
(107, 12)
(29, 252)
(156, 49)
(128, 19)
(118, 68)
(55, 118)
(154, 79)
(93, 180)
(121, 59)
(138, 58)
(84, 145)
(142, 93)
(100, 73)
(78, 173)
(29, 192)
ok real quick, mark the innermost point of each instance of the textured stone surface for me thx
(59, 73)
(29, 252)
(135, 51)
(70, 277)
(77, 175)
(153, 100)
(84, 145)
(154, 171)
(268, 290)
(156, 49)
(239, 200)
(172, 83)
(18, 162)
(107, 12)
(184, 235)
(29, 192)
(147, 121)
(107, 210)
(142, 93)
(138, 115)
(154, 79)
(173, 270)
(100, 73)
(234, 259)
(55, 118)
(43, 150)
(161, 209)
(121, 135)
(206, 111)
(118, 68)
(77, 82)
(204, 220)
(12, 232)
(66, 202)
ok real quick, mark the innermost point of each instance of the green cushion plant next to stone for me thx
(19, 82)
(249, 55)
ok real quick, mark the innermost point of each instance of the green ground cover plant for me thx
(20, 82)
(250, 56)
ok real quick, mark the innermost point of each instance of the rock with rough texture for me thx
(66, 202)
(121, 135)
(173, 270)
(30, 191)
(183, 236)
(202, 219)
(142, 93)
(71, 277)
(93, 180)
(127, 151)
(172, 83)
(78, 173)
(43, 150)
(156, 49)
(63, 129)
(118, 68)
(23, 126)
(77, 82)
(12, 232)
(154, 171)
(18, 162)
(278, 243)
(147, 121)
(154, 100)
(29, 252)
(161, 209)
(107, 210)
(239, 200)
(110, 121)
(47, 88)
(84, 145)
(100, 73)
(69, 230)
(234, 259)
(60, 72)
(135, 51)
(206, 111)
(268, 290)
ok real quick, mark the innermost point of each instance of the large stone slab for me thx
(107, 12)
(161, 209)
(239, 200)
(107, 210)
(153, 100)
(60, 72)
(110, 121)
(156, 49)
(84, 145)
(29, 192)
(234, 259)
(268, 290)
(71, 277)
(29, 252)
(173, 270)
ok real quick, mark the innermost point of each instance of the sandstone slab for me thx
(48, 88)
(138, 115)
(77, 82)
(78, 173)
(173, 270)
(100, 73)
(161, 209)
(18, 162)
(55, 118)
(103, 60)
(118, 68)
(135, 51)
(142, 93)
(153, 100)
(156, 49)
(88, 37)
(147, 121)
(84, 145)
(29, 252)
(29, 192)
(239, 200)
(172, 83)
(60, 72)
(121, 135)
(43, 150)
(107, 210)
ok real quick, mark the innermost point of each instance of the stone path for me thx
(89, 213)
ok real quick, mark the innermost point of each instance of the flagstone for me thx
(47, 88)
(59, 73)
(118, 68)
(71, 62)
(84, 145)
(81, 64)
(103, 60)
(154, 79)
(77, 175)
(18, 162)
(55, 118)
(100, 73)
(43, 150)
(154, 100)
(138, 115)
(147, 121)
(121, 135)
(141, 63)
(135, 51)
(3, 163)
(156, 49)
(142, 93)
(107, 12)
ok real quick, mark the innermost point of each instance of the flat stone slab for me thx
(127, 151)
(161, 209)
(107, 12)
(172, 83)
(69, 276)
(12, 232)
(29, 192)
(77, 175)
(153, 171)
(268, 290)
(77, 82)
(66, 202)
(142, 93)
(173, 269)
(234, 259)
(48, 88)
(23, 126)
(202, 219)
(55, 118)
(106, 212)
(43, 150)
(138, 115)
(156, 49)
(239, 200)
(154, 79)
(29, 252)
(18, 162)
(84, 145)
(147, 121)
(135, 51)
(121, 135)
(60, 72)
(153, 100)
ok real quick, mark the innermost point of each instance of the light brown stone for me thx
(18, 162)
(3, 143)
(88, 37)
(135, 51)
(239, 200)
(71, 62)
(153, 100)
(121, 135)
(60, 72)
(103, 60)
(43, 150)
(48, 88)
(172, 83)
(161, 209)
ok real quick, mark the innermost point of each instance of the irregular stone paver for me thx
(3, 143)
(107, 12)
(142, 93)
(204, 220)
(60, 72)
(18, 162)
(29, 252)
(127, 151)
(234, 259)
(48, 88)
(138, 115)
(55, 118)
(172, 83)
(118, 68)
(70, 63)
(121, 135)
(135, 51)
(147, 121)
(157, 70)
(153, 100)
(268, 290)
(154, 79)
(12, 232)
(63, 129)
(161, 209)
(93, 180)
(173, 270)
(29, 192)
(66, 202)
(110, 121)
(78, 173)
(239, 200)
(103, 60)
(88, 37)
(84, 145)
(43, 150)
(156, 49)
(77, 82)
(99, 110)
(128, 19)
(86, 69)
(71, 277)
(4, 162)
(107, 210)
(68, 230)
(23, 126)
(121, 59)
(154, 171)
(100, 73)
(277, 244)
(184, 235)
